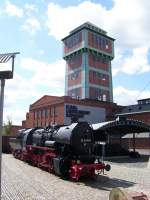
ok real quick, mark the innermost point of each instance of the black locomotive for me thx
(67, 151)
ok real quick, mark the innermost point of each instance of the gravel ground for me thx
(21, 181)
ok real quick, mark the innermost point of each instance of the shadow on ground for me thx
(127, 160)
(106, 183)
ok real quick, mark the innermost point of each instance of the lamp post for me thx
(4, 74)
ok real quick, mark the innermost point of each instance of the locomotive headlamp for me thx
(6, 72)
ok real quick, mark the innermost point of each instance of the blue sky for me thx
(35, 29)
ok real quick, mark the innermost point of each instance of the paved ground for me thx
(23, 182)
(130, 162)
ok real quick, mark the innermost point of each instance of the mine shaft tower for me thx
(88, 52)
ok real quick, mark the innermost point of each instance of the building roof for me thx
(46, 101)
(7, 56)
(91, 27)
(144, 101)
(135, 109)
(122, 126)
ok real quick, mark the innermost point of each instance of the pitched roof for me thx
(44, 101)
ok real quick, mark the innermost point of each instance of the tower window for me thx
(73, 40)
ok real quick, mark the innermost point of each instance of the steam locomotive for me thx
(67, 151)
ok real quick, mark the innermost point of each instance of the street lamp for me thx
(4, 74)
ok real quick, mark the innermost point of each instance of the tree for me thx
(8, 127)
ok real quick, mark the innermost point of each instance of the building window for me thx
(73, 40)
(39, 114)
(75, 93)
(74, 75)
(35, 114)
(75, 61)
(46, 124)
(56, 111)
(39, 124)
(52, 111)
(46, 113)
(98, 62)
(99, 94)
(98, 76)
(99, 42)
(43, 113)
(104, 97)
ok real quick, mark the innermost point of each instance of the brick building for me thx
(88, 52)
(139, 111)
(50, 110)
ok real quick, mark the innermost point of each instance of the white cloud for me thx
(137, 63)
(31, 25)
(127, 21)
(134, 63)
(61, 20)
(130, 28)
(14, 115)
(20, 92)
(44, 74)
(125, 96)
(13, 10)
(31, 7)
(41, 52)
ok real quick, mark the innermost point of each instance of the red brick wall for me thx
(145, 117)
(98, 64)
(140, 143)
(60, 114)
(31, 121)
(95, 41)
(95, 79)
(55, 115)
(92, 94)
(74, 62)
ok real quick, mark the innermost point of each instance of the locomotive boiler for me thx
(64, 150)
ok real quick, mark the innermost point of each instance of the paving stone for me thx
(21, 181)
